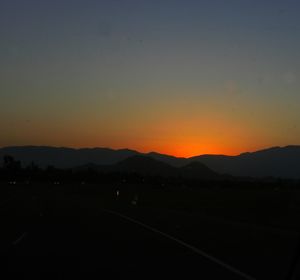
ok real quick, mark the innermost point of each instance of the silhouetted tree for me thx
(11, 168)
(10, 163)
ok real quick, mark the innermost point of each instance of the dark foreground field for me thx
(113, 231)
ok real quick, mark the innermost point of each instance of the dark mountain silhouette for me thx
(66, 157)
(198, 170)
(145, 165)
(175, 161)
(281, 162)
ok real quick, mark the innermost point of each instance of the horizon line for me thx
(145, 153)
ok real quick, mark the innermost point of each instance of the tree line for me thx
(13, 171)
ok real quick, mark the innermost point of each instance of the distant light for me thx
(118, 192)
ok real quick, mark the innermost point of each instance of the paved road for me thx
(79, 243)
(58, 236)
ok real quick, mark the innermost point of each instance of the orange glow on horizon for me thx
(190, 150)
(185, 150)
(183, 136)
(196, 150)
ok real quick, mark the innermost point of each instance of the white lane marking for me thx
(194, 249)
(18, 240)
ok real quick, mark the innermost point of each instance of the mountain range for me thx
(145, 165)
(282, 162)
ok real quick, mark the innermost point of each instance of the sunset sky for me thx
(181, 77)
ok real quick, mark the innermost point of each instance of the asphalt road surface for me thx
(60, 236)
(77, 243)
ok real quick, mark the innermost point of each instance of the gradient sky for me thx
(180, 77)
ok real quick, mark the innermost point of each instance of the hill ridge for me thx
(283, 162)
